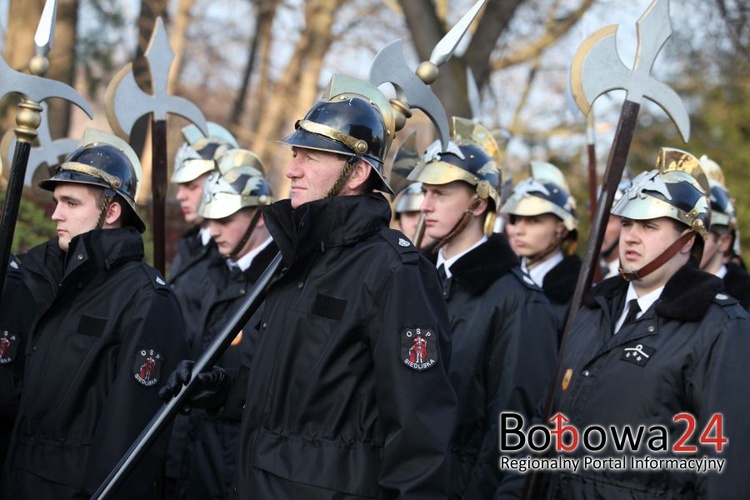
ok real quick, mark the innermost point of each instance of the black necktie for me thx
(633, 310)
(441, 273)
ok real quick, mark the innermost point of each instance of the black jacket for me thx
(206, 443)
(344, 400)
(560, 283)
(108, 331)
(692, 350)
(504, 343)
(737, 284)
(16, 314)
(188, 268)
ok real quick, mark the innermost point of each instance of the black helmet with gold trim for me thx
(723, 212)
(472, 157)
(545, 192)
(103, 160)
(352, 118)
(678, 188)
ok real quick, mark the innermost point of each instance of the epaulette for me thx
(726, 302)
(14, 263)
(156, 279)
(405, 249)
(525, 279)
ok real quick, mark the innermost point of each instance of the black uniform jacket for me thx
(16, 314)
(188, 269)
(108, 330)
(504, 344)
(206, 443)
(560, 283)
(687, 353)
(349, 394)
(737, 284)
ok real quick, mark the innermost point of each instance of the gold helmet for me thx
(197, 154)
(545, 192)
(677, 188)
(238, 183)
(472, 157)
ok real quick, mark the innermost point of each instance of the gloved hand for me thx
(209, 391)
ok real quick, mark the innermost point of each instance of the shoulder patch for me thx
(147, 366)
(724, 300)
(9, 343)
(525, 279)
(419, 348)
(406, 250)
(155, 278)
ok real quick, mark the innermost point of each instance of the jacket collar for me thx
(686, 296)
(482, 266)
(560, 282)
(323, 224)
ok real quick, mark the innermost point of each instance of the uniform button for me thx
(651, 328)
(586, 373)
(265, 325)
(301, 284)
(242, 292)
(80, 256)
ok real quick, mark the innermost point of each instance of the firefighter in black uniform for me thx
(16, 312)
(545, 233)
(107, 329)
(658, 342)
(720, 237)
(195, 161)
(230, 204)
(349, 395)
(503, 330)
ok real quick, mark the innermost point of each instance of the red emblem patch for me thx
(418, 348)
(8, 346)
(147, 367)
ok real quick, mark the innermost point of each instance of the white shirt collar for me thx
(540, 270)
(205, 235)
(644, 303)
(721, 272)
(449, 262)
(246, 260)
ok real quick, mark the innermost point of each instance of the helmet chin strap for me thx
(658, 261)
(539, 257)
(343, 177)
(460, 225)
(107, 200)
(248, 232)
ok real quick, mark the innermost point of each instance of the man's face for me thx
(714, 248)
(408, 222)
(443, 206)
(532, 235)
(313, 174)
(189, 196)
(228, 232)
(641, 241)
(76, 212)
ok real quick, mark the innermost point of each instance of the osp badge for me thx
(147, 367)
(8, 346)
(418, 349)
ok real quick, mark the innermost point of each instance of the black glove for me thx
(209, 391)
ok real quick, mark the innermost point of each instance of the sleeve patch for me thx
(147, 366)
(419, 348)
(8, 346)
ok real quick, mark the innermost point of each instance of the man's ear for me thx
(480, 209)
(360, 174)
(114, 212)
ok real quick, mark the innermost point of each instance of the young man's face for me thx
(76, 212)
(611, 234)
(535, 234)
(714, 248)
(189, 196)
(444, 205)
(228, 232)
(641, 241)
(313, 174)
